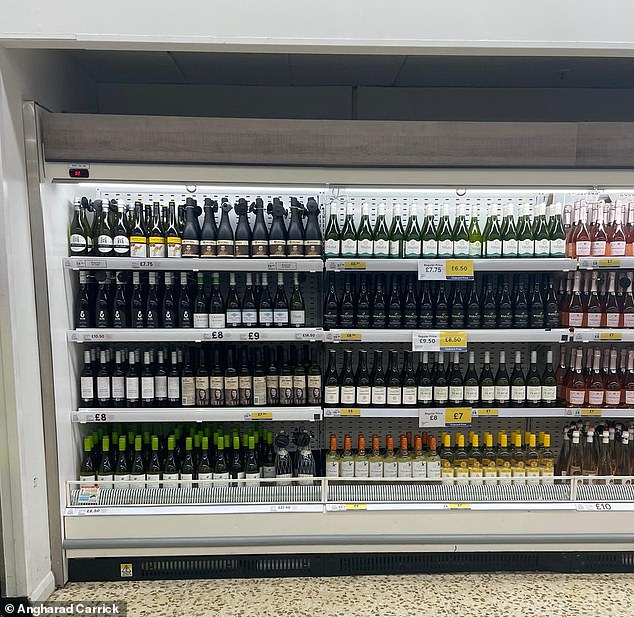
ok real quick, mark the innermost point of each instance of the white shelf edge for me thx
(385, 335)
(286, 264)
(139, 510)
(603, 335)
(196, 414)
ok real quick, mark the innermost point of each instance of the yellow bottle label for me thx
(138, 239)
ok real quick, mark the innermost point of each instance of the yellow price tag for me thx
(356, 506)
(591, 412)
(355, 265)
(487, 412)
(350, 336)
(349, 412)
(609, 263)
(261, 415)
(455, 340)
(459, 268)
(610, 336)
(459, 506)
(457, 415)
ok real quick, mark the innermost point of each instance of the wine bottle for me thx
(78, 233)
(260, 235)
(103, 235)
(185, 318)
(332, 237)
(518, 383)
(346, 305)
(220, 467)
(201, 304)
(117, 382)
(460, 234)
(393, 381)
(188, 383)
(475, 237)
(429, 236)
(541, 235)
(280, 305)
(534, 383)
(121, 241)
(312, 233)
(394, 309)
(226, 241)
(232, 394)
(425, 384)
(233, 308)
(172, 235)
(138, 233)
(272, 380)
(502, 383)
(295, 237)
(216, 382)
(201, 381)
(168, 304)
(456, 383)
(471, 384)
(156, 239)
(396, 234)
(347, 381)
(286, 378)
(557, 234)
(209, 231)
(549, 383)
(299, 379)
(525, 241)
(87, 382)
(297, 308)
(332, 396)
(493, 237)
(349, 234)
(82, 302)
(215, 305)
(245, 381)
(412, 247)
(504, 307)
(378, 312)
(190, 236)
(487, 383)
(364, 234)
(265, 304)
(363, 394)
(173, 382)
(509, 233)
(249, 307)
(121, 468)
(278, 234)
(444, 234)
(408, 380)
(380, 235)
(243, 235)
(362, 314)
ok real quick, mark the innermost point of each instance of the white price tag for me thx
(96, 417)
(215, 335)
(283, 507)
(95, 336)
(307, 336)
(250, 336)
(286, 265)
(594, 507)
(429, 418)
(432, 270)
(143, 264)
(96, 264)
(425, 340)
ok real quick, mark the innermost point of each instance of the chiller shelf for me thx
(212, 264)
(196, 414)
(603, 335)
(592, 263)
(546, 264)
(194, 335)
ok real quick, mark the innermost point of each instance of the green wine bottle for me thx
(412, 241)
(525, 244)
(364, 235)
(444, 234)
(541, 235)
(493, 240)
(428, 235)
(475, 237)
(460, 234)
(509, 233)
(556, 232)
(380, 236)
(396, 233)
(332, 237)
(349, 234)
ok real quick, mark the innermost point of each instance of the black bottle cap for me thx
(301, 439)
(281, 440)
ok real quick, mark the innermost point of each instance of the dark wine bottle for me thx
(138, 233)
(272, 379)
(426, 308)
(226, 239)
(518, 383)
(504, 307)
(347, 381)
(201, 381)
(168, 304)
(331, 306)
(379, 386)
(280, 305)
(297, 308)
(87, 383)
(217, 315)
(277, 234)
(393, 381)
(232, 394)
(82, 302)
(331, 381)
(441, 307)
(346, 306)
(243, 234)
(78, 234)
(216, 382)
(260, 236)
(156, 239)
(408, 380)
(152, 303)
(441, 383)
(488, 307)
(172, 232)
(378, 313)
(286, 378)
(120, 305)
(190, 236)
(312, 234)
(209, 231)
(265, 304)
(295, 238)
(456, 383)
(362, 314)
(410, 308)
(314, 380)
(102, 308)
(425, 389)
(395, 309)
(185, 319)
(132, 383)
(233, 307)
(245, 380)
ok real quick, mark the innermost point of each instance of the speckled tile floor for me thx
(466, 595)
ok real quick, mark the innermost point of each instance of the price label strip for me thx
(445, 270)
(610, 336)
(259, 415)
(592, 412)
(423, 340)
(595, 262)
(491, 412)
(348, 336)
(355, 265)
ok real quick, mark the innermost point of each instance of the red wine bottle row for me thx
(118, 229)
(108, 299)
(221, 376)
(597, 299)
(443, 382)
(597, 378)
(600, 229)
(401, 301)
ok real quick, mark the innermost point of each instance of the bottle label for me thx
(461, 248)
(509, 248)
(502, 393)
(186, 477)
(612, 398)
(249, 317)
(202, 391)
(138, 246)
(361, 468)
(208, 248)
(404, 469)
(441, 394)
(217, 321)
(147, 388)
(525, 248)
(376, 469)
(612, 320)
(277, 248)
(575, 319)
(118, 388)
(364, 395)
(241, 248)
(259, 390)
(381, 248)
(224, 248)
(201, 320)
(121, 244)
(504, 475)
(156, 247)
(105, 478)
(137, 477)
(280, 316)
(595, 397)
(217, 390)
(419, 469)
(272, 390)
(456, 394)
(472, 394)
(132, 388)
(190, 248)
(628, 320)
(542, 248)
(260, 248)
(347, 395)
(425, 394)
(204, 479)
(221, 476)
(77, 243)
(104, 244)
(594, 320)
(364, 247)
(549, 394)
(245, 389)
(312, 248)
(394, 395)
(268, 472)
(576, 397)
(475, 248)
(390, 469)
(299, 389)
(103, 388)
(433, 470)
(295, 248)
(395, 248)
(558, 247)
(430, 248)
(494, 248)
(349, 248)
(346, 468)
(518, 394)
(298, 318)
(617, 248)
(534, 393)
(487, 393)
(173, 388)
(87, 387)
(286, 389)
(332, 247)
(234, 316)
(412, 248)
(597, 248)
(583, 248)
(266, 317)
(174, 246)
(445, 248)
(379, 395)
(232, 394)
(188, 392)
(629, 397)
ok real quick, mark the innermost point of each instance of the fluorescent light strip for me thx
(200, 188)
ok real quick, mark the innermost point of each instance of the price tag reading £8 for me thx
(430, 418)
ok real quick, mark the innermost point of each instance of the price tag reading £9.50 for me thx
(425, 340)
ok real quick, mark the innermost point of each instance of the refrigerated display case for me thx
(142, 531)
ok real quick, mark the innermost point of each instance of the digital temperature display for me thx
(78, 173)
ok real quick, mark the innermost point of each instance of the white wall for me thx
(525, 26)
(23, 494)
